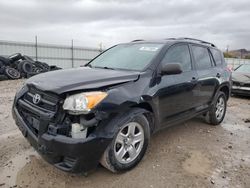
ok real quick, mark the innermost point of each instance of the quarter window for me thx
(201, 57)
(179, 54)
(217, 56)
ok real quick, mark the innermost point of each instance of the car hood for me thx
(241, 77)
(62, 81)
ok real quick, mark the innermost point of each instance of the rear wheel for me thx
(129, 144)
(218, 110)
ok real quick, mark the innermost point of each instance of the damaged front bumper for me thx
(68, 154)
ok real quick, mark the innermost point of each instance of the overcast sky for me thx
(90, 22)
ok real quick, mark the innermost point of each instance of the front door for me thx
(176, 92)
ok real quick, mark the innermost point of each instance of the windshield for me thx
(127, 56)
(243, 68)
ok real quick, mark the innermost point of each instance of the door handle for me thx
(194, 79)
(218, 75)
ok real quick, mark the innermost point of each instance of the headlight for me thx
(82, 103)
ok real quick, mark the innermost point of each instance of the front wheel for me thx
(129, 144)
(218, 110)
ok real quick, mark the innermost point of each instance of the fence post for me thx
(36, 47)
(72, 53)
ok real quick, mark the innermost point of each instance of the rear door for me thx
(220, 64)
(207, 75)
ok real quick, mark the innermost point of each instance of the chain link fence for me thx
(234, 62)
(59, 55)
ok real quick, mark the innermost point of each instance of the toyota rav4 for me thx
(106, 111)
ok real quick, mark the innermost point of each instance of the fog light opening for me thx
(78, 131)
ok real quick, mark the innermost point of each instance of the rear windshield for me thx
(131, 56)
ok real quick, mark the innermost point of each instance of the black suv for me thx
(106, 111)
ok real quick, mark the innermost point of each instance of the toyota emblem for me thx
(36, 98)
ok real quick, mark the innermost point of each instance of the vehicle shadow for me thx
(160, 166)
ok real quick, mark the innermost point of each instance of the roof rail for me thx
(201, 41)
(137, 40)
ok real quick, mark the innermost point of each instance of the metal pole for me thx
(36, 47)
(72, 52)
(100, 47)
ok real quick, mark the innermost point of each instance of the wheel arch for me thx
(225, 89)
(149, 114)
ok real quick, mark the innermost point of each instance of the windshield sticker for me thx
(150, 49)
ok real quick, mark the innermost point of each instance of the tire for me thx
(20, 66)
(43, 67)
(4, 61)
(27, 67)
(54, 67)
(12, 73)
(133, 151)
(2, 68)
(15, 64)
(15, 57)
(218, 110)
(46, 66)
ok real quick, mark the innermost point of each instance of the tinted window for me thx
(202, 58)
(217, 56)
(179, 54)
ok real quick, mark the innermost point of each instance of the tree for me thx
(228, 55)
(247, 57)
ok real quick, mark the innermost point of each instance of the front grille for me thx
(38, 116)
(247, 85)
(48, 101)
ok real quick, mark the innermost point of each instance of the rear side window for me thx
(217, 56)
(179, 54)
(201, 57)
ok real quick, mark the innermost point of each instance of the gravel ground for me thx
(191, 154)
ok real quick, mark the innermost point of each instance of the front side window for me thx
(217, 56)
(201, 57)
(179, 54)
(132, 56)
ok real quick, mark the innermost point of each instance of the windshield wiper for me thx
(89, 65)
(105, 68)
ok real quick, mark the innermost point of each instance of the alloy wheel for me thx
(129, 142)
(220, 108)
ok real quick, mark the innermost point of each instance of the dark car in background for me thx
(241, 80)
(107, 111)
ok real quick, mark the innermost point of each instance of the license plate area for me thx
(35, 123)
(32, 121)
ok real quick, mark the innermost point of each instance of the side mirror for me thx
(171, 68)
